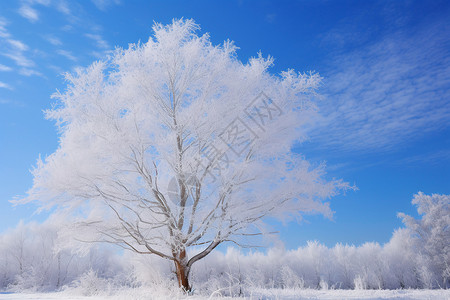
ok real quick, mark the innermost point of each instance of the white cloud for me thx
(29, 13)
(20, 59)
(5, 86)
(41, 2)
(66, 8)
(100, 42)
(4, 68)
(13, 49)
(30, 72)
(434, 158)
(99, 54)
(53, 40)
(18, 51)
(387, 93)
(67, 28)
(56, 69)
(12, 102)
(66, 54)
(63, 6)
(104, 4)
(18, 45)
(3, 31)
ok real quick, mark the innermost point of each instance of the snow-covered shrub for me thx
(323, 285)
(90, 284)
(290, 279)
(360, 283)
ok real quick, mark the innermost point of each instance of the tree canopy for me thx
(175, 144)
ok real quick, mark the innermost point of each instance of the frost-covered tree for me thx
(401, 257)
(32, 260)
(345, 259)
(174, 146)
(431, 236)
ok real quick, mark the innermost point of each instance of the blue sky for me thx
(385, 108)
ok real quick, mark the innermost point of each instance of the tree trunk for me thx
(182, 276)
(182, 271)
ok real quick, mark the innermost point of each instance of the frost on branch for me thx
(179, 109)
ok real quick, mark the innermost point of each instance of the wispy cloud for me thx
(5, 86)
(56, 69)
(434, 158)
(53, 40)
(97, 54)
(24, 55)
(66, 54)
(67, 28)
(18, 45)
(17, 51)
(100, 42)
(30, 72)
(29, 13)
(4, 68)
(20, 59)
(12, 102)
(105, 4)
(27, 10)
(71, 11)
(389, 92)
(3, 31)
(63, 6)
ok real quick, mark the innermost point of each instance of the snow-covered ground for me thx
(279, 294)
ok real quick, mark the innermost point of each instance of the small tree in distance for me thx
(174, 146)
(431, 238)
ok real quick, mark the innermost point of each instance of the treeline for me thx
(32, 258)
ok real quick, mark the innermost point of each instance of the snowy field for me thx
(257, 294)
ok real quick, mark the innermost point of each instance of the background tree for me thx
(431, 237)
(175, 144)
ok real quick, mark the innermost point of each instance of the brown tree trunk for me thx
(182, 276)
(182, 271)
